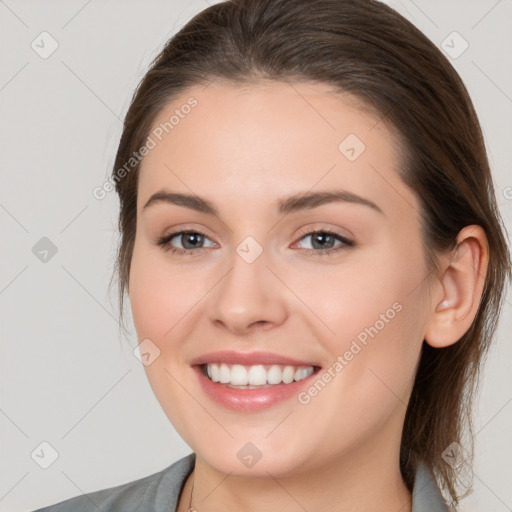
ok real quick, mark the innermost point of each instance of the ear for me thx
(460, 288)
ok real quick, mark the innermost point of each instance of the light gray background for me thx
(65, 377)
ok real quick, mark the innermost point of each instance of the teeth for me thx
(301, 373)
(256, 375)
(224, 373)
(274, 374)
(238, 375)
(288, 374)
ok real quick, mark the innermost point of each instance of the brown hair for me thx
(366, 49)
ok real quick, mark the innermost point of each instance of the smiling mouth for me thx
(256, 376)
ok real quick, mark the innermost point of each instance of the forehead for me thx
(269, 139)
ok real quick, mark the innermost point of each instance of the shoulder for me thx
(154, 493)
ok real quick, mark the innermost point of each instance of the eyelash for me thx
(164, 243)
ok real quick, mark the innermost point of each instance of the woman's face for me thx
(251, 278)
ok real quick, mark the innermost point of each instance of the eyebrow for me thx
(296, 202)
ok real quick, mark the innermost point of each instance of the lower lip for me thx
(250, 400)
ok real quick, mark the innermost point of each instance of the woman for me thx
(314, 261)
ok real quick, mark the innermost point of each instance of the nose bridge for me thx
(249, 293)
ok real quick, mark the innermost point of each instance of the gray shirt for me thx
(160, 492)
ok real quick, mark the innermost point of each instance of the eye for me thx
(323, 242)
(190, 241)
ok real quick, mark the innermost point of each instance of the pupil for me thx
(322, 238)
(194, 238)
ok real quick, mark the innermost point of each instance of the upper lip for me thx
(248, 359)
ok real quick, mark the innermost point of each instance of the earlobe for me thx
(460, 286)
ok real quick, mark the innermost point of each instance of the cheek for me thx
(374, 357)
(160, 294)
(365, 297)
(377, 315)
(160, 300)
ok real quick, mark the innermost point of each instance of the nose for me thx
(248, 297)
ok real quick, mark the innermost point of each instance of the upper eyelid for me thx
(336, 231)
(317, 226)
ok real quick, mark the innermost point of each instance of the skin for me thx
(242, 149)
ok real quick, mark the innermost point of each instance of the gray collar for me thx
(425, 494)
